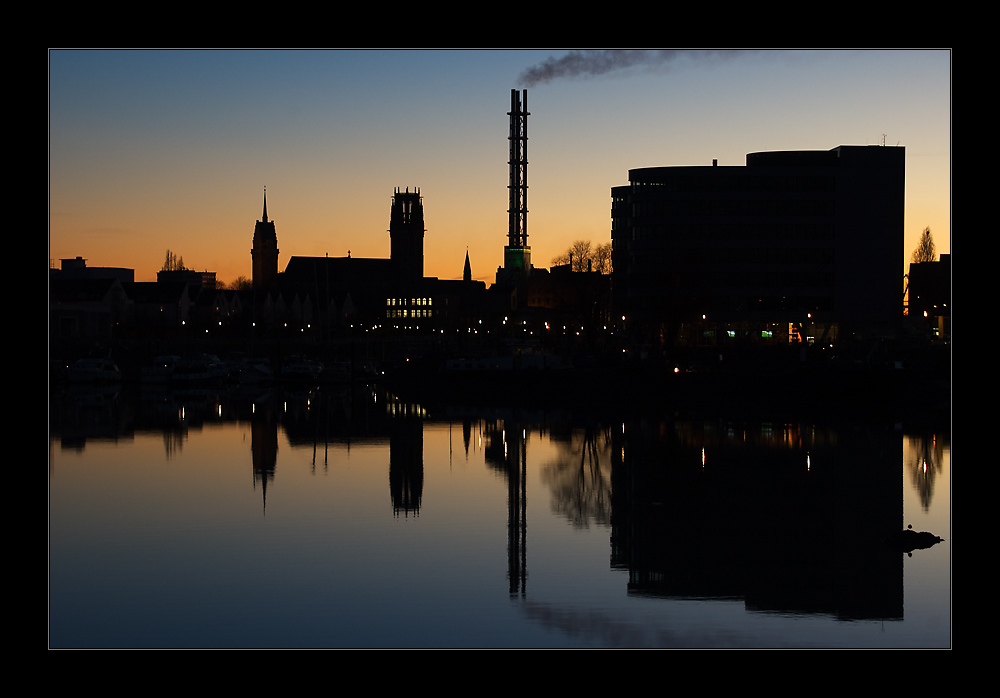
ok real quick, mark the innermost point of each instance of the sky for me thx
(152, 151)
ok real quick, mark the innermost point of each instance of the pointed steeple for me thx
(264, 253)
(467, 274)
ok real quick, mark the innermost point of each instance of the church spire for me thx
(467, 274)
(264, 253)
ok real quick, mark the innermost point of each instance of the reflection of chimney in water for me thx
(517, 564)
(504, 451)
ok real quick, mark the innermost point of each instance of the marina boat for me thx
(92, 370)
(301, 368)
(200, 368)
(253, 371)
(161, 370)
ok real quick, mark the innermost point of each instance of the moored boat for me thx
(91, 370)
(161, 370)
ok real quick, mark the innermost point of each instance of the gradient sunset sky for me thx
(157, 150)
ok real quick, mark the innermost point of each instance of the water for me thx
(351, 519)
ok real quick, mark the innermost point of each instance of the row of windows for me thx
(717, 182)
(406, 312)
(411, 302)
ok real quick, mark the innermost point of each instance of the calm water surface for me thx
(340, 518)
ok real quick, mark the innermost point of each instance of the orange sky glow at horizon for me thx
(158, 150)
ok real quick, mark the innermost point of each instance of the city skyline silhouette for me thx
(152, 151)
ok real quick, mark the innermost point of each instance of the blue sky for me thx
(151, 150)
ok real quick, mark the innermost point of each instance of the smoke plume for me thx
(591, 63)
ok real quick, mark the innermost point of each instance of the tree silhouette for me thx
(579, 479)
(173, 262)
(241, 283)
(602, 258)
(582, 256)
(925, 251)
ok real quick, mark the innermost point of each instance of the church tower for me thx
(406, 236)
(265, 251)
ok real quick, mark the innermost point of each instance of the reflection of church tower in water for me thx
(265, 251)
(406, 465)
(263, 448)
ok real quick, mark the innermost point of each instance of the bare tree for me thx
(576, 256)
(579, 478)
(241, 283)
(582, 256)
(602, 258)
(925, 252)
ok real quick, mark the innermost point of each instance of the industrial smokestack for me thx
(517, 230)
(517, 254)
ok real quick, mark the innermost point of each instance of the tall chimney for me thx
(517, 253)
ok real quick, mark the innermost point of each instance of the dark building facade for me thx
(929, 294)
(77, 269)
(345, 290)
(794, 243)
(929, 286)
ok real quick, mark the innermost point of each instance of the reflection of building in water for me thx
(406, 465)
(466, 435)
(363, 417)
(263, 447)
(923, 457)
(790, 518)
(506, 451)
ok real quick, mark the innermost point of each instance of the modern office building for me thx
(793, 245)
